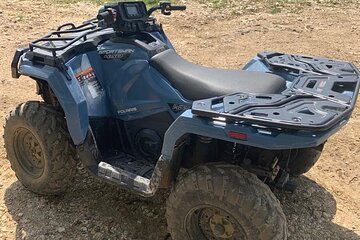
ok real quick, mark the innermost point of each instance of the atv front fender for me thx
(69, 94)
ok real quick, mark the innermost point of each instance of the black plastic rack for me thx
(58, 46)
(307, 64)
(72, 35)
(322, 95)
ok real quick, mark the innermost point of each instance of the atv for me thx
(118, 98)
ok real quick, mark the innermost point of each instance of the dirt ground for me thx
(325, 206)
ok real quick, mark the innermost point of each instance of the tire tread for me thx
(236, 188)
(51, 128)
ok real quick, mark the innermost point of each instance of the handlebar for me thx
(117, 15)
(107, 15)
(166, 8)
(178, 8)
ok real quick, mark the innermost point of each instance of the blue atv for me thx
(118, 98)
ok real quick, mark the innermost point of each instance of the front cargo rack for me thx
(72, 34)
(323, 95)
(57, 47)
(68, 40)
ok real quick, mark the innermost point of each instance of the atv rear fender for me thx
(69, 94)
(251, 135)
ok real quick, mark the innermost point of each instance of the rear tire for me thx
(39, 148)
(304, 159)
(223, 202)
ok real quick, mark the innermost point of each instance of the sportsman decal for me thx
(111, 54)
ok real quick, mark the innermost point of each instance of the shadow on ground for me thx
(95, 210)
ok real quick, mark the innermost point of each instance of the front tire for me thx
(224, 202)
(39, 148)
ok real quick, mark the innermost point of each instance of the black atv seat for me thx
(196, 82)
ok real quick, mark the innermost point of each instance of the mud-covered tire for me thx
(39, 148)
(235, 193)
(304, 159)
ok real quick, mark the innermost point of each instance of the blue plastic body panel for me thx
(125, 89)
(257, 136)
(68, 93)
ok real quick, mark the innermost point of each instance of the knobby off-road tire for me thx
(224, 202)
(39, 148)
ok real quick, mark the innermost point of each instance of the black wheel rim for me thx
(209, 222)
(28, 152)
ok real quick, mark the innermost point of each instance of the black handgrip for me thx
(106, 18)
(178, 8)
(104, 15)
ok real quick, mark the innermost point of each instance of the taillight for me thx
(237, 135)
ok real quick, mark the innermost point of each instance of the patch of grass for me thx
(275, 10)
(19, 18)
(277, 6)
(272, 6)
(101, 2)
(216, 3)
(242, 6)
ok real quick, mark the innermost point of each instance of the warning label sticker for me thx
(87, 78)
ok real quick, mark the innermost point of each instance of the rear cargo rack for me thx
(323, 95)
(307, 64)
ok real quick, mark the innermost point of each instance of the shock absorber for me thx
(205, 150)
